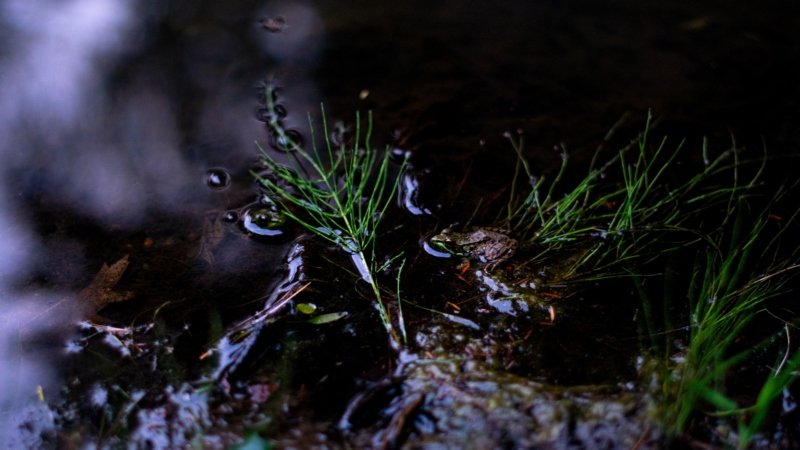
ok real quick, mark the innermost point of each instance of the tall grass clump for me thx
(657, 213)
(728, 289)
(622, 220)
(343, 200)
(741, 261)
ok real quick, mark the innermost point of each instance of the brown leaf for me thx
(99, 293)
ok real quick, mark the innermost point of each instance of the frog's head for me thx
(446, 242)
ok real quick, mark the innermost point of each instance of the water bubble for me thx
(353, 178)
(399, 155)
(230, 216)
(263, 177)
(217, 178)
(271, 117)
(264, 221)
(286, 141)
(267, 88)
(341, 135)
(267, 200)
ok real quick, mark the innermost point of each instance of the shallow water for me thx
(128, 133)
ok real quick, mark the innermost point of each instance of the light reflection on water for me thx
(72, 137)
(31, 328)
(54, 110)
(48, 79)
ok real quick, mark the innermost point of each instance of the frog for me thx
(487, 244)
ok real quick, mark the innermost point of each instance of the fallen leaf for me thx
(326, 318)
(99, 293)
(306, 308)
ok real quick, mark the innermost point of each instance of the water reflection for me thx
(238, 342)
(95, 123)
(64, 134)
(50, 78)
(52, 69)
(409, 195)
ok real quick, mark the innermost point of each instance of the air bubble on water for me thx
(286, 141)
(230, 216)
(262, 91)
(341, 135)
(398, 155)
(262, 175)
(217, 178)
(263, 221)
(279, 110)
(272, 117)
